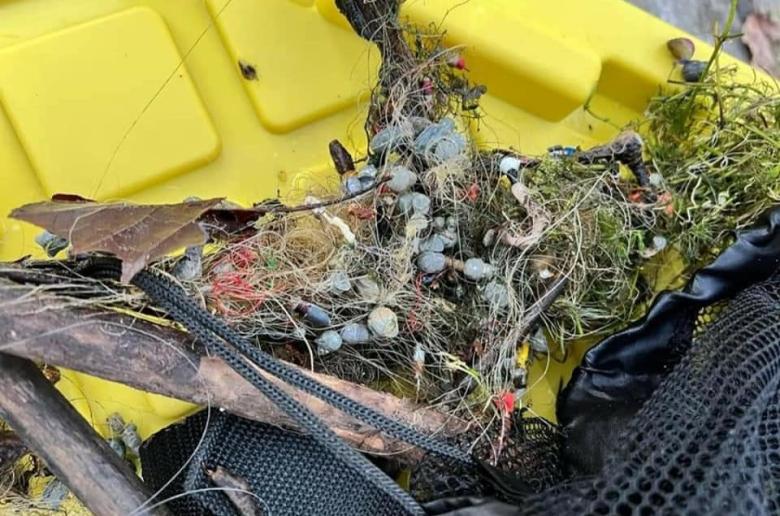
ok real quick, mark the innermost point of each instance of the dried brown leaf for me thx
(137, 234)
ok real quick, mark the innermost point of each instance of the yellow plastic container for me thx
(145, 100)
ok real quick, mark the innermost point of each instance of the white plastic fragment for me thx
(546, 274)
(509, 164)
(342, 226)
(658, 245)
(419, 354)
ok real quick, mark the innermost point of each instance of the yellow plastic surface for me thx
(144, 100)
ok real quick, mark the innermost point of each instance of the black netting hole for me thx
(666, 486)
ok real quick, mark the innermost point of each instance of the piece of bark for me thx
(156, 359)
(75, 453)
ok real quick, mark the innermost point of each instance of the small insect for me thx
(248, 71)
(127, 433)
(341, 157)
(470, 97)
(51, 373)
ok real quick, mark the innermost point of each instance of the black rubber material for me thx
(621, 372)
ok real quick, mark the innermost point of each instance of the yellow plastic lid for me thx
(159, 100)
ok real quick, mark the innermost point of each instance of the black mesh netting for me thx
(288, 472)
(708, 439)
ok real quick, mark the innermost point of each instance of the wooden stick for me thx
(74, 452)
(155, 359)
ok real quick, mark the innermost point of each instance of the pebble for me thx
(355, 333)
(450, 237)
(475, 269)
(414, 203)
(316, 316)
(383, 322)
(339, 282)
(417, 224)
(433, 243)
(401, 179)
(391, 138)
(367, 175)
(190, 266)
(328, 342)
(352, 185)
(681, 48)
(431, 263)
(496, 294)
(693, 70)
(440, 142)
(367, 289)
